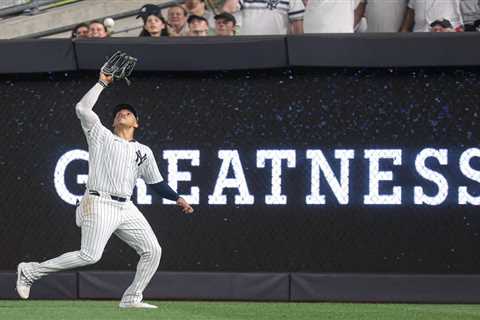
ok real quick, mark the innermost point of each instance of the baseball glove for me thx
(119, 66)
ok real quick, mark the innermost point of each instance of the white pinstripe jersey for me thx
(114, 164)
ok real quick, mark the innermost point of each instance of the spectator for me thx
(80, 31)
(421, 13)
(154, 25)
(198, 8)
(261, 17)
(177, 21)
(325, 16)
(385, 16)
(471, 14)
(359, 19)
(96, 29)
(225, 24)
(474, 27)
(441, 26)
(198, 26)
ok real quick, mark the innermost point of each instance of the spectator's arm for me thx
(408, 20)
(457, 21)
(296, 12)
(359, 12)
(296, 26)
(231, 6)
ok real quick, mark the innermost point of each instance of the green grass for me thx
(92, 310)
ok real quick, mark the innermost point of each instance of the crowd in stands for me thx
(279, 17)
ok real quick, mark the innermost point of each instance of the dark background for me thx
(285, 108)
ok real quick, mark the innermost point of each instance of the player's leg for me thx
(99, 219)
(137, 233)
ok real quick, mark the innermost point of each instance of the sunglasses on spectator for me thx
(442, 23)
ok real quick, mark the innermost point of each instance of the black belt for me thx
(119, 199)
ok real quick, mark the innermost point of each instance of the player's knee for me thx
(155, 253)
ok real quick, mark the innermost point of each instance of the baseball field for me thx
(93, 310)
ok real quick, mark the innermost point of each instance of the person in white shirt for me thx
(268, 17)
(421, 13)
(327, 16)
(385, 15)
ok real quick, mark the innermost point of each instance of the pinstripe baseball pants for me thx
(99, 217)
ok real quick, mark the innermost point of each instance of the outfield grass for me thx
(93, 310)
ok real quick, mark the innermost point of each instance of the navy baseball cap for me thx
(227, 17)
(444, 23)
(148, 10)
(125, 106)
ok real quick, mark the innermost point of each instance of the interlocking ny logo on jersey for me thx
(140, 159)
(272, 4)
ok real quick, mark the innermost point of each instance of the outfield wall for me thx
(245, 52)
(347, 178)
(283, 287)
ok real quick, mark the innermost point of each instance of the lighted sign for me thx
(339, 181)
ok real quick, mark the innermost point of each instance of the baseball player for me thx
(116, 160)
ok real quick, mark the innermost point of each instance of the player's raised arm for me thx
(84, 108)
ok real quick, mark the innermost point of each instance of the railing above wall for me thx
(118, 16)
(23, 6)
(243, 52)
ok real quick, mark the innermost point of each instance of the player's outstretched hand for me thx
(107, 80)
(183, 204)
